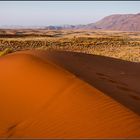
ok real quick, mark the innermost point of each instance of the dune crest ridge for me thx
(39, 99)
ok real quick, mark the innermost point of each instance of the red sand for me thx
(117, 78)
(40, 99)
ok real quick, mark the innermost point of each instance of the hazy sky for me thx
(61, 12)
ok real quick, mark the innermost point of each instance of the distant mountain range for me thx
(126, 22)
(118, 22)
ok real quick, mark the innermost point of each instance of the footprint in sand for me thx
(128, 89)
(135, 97)
(109, 79)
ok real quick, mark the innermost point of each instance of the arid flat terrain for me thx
(116, 44)
(40, 98)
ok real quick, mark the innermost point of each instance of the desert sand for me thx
(40, 98)
(116, 78)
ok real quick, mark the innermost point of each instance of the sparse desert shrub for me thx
(6, 51)
(102, 43)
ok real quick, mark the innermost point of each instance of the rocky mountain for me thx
(120, 22)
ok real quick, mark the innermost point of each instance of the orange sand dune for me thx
(40, 99)
(117, 78)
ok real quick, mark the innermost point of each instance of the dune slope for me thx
(40, 99)
(116, 78)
